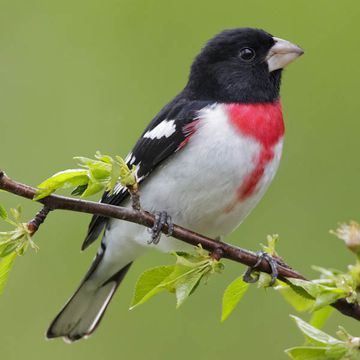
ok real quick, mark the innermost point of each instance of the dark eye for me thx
(247, 54)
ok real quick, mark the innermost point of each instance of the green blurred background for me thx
(78, 76)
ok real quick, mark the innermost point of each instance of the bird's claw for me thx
(261, 255)
(161, 219)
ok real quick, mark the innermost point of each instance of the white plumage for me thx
(165, 129)
(195, 187)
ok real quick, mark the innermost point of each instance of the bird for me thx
(205, 161)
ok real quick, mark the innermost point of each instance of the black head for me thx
(240, 65)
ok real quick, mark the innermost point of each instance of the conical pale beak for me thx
(282, 54)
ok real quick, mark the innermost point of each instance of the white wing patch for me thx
(118, 188)
(130, 159)
(165, 129)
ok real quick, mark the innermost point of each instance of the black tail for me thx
(83, 312)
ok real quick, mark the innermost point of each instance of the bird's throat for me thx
(263, 122)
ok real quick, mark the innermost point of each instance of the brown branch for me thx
(34, 224)
(217, 248)
(135, 196)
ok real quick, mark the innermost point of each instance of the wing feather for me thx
(168, 132)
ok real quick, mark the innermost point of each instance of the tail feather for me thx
(83, 312)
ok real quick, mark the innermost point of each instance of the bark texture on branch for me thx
(217, 248)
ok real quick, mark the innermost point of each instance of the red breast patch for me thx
(264, 123)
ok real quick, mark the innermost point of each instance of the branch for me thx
(217, 248)
(34, 224)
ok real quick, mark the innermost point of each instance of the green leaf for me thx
(180, 279)
(190, 260)
(264, 281)
(97, 174)
(342, 352)
(188, 272)
(8, 248)
(17, 234)
(62, 179)
(186, 282)
(148, 284)
(314, 353)
(300, 291)
(320, 316)
(324, 295)
(114, 176)
(100, 171)
(232, 296)
(5, 267)
(105, 158)
(185, 288)
(92, 188)
(3, 213)
(271, 244)
(4, 236)
(78, 191)
(66, 178)
(16, 213)
(314, 334)
(296, 299)
(310, 287)
(344, 335)
(327, 297)
(98, 168)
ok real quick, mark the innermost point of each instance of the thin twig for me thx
(34, 224)
(135, 196)
(217, 248)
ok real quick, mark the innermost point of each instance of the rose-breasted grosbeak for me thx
(206, 160)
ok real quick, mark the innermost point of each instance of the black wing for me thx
(150, 151)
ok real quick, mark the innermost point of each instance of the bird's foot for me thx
(261, 255)
(161, 219)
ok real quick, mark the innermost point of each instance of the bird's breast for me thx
(215, 180)
(238, 149)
